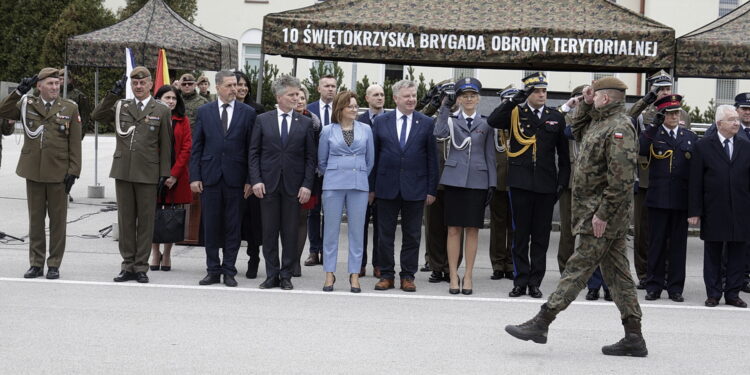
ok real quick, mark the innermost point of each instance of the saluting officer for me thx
(538, 171)
(668, 149)
(141, 164)
(50, 162)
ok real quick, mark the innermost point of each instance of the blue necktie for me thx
(727, 150)
(284, 129)
(402, 137)
(747, 131)
(671, 134)
(468, 122)
(326, 116)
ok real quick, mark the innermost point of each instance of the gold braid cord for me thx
(667, 154)
(515, 126)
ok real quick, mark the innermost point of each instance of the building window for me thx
(393, 72)
(250, 56)
(726, 89)
(459, 73)
(726, 6)
(595, 76)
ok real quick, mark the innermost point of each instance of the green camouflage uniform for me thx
(602, 186)
(192, 102)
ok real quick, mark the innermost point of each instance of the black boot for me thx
(535, 329)
(632, 344)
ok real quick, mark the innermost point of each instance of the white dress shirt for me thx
(674, 131)
(399, 121)
(323, 111)
(731, 144)
(144, 101)
(288, 120)
(533, 109)
(230, 111)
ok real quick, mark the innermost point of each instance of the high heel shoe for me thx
(456, 290)
(353, 288)
(156, 267)
(464, 291)
(329, 288)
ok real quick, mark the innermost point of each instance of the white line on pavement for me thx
(386, 294)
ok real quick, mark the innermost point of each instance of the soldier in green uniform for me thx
(203, 85)
(191, 97)
(84, 105)
(141, 165)
(644, 112)
(601, 209)
(50, 162)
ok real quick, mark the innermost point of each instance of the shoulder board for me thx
(69, 101)
(482, 116)
(552, 109)
(161, 103)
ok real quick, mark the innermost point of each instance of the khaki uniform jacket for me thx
(57, 151)
(143, 156)
(192, 102)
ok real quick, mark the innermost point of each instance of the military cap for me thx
(468, 84)
(140, 72)
(537, 80)
(660, 79)
(742, 100)
(187, 77)
(202, 79)
(669, 103)
(508, 93)
(609, 83)
(578, 90)
(49, 72)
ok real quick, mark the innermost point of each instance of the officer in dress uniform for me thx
(668, 149)
(50, 162)
(742, 103)
(538, 171)
(141, 164)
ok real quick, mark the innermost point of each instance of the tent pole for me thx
(65, 82)
(354, 77)
(261, 67)
(294, 67)
(96, 129)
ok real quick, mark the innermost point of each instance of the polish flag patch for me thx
(618, 135)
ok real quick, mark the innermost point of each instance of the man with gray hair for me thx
(282, 167)
(719, 200)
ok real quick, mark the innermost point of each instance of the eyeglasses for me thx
(353, 107)
(188, 83)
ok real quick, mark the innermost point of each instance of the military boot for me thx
(632, 344)
(535, 329)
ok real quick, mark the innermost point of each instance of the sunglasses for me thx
(188, 83)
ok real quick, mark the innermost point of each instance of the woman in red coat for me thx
(178, 181)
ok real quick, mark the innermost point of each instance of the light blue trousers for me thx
(334, 202)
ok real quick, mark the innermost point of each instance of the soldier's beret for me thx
(187, 77)
(578, 90)
(468, 84)
(742, 100)
(49, 72)
(537, 80)
(609, 83)
(660, 79)
(669, 103)
(140, 72)
(202, 79)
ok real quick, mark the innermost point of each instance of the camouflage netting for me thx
(568, 35)
(717, 50)
(154, 26)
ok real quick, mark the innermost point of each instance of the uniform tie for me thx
(326, 116)
(536, 112)
(468, 122)
(671, 133)
(140, 106)
(47, 107)
(224, 117)
(727, 149)
(402, 136)
(284, 129)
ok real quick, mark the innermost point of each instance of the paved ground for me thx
(84, 323)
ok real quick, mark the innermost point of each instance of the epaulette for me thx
(69, 101)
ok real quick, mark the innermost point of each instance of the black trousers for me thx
(735, 267)
(411, 233)
(371, 213)
(666, 228)
(222, 212)
(532, 223)
(280, 213)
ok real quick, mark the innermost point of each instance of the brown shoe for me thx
(363, 272)
(407, 285)
(312, 260)
(376, 272)
(384, 284)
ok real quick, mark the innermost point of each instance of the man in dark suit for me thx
(282, 166)
(323, 108)
(538, 172)
(719, 200)
(403, 180)
(219, 172)
(375, 97)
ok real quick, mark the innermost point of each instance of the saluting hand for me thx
(588, 95)
(599, 226)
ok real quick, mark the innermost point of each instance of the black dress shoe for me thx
(746, 288)
(651, 296)
(607, 295)
(229, 280)
(270, 283)
(535, 292)
(517, 291)
(124, 276)
(436, 277)
(53, 273)
(712, 302)
(641, 285)
(252, 268)
(33, 272)
(496, 275)
(426, 268)
(592, 295)
(736, 302)
(677, 297)
(141, 277)
(286, 284)
(509, 275)
(210, 280)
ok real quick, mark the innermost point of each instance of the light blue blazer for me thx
(346, 167)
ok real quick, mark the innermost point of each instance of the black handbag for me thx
(169, 223)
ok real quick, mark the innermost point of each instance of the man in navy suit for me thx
(219, 172)
(404, 179)
(719, 200)
(282, 167)
(323, 109)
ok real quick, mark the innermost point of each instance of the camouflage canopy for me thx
(717, 50)
(153, 27)
(567, 35)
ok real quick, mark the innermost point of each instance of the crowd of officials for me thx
(289, 175)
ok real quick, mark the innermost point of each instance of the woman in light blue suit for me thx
(346, 155)
(469, 176)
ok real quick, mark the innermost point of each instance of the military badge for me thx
(152, 128)
(687, 155)
(618, 135)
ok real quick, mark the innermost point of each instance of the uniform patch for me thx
(155, 118)
(551, 123)
(617, 135)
